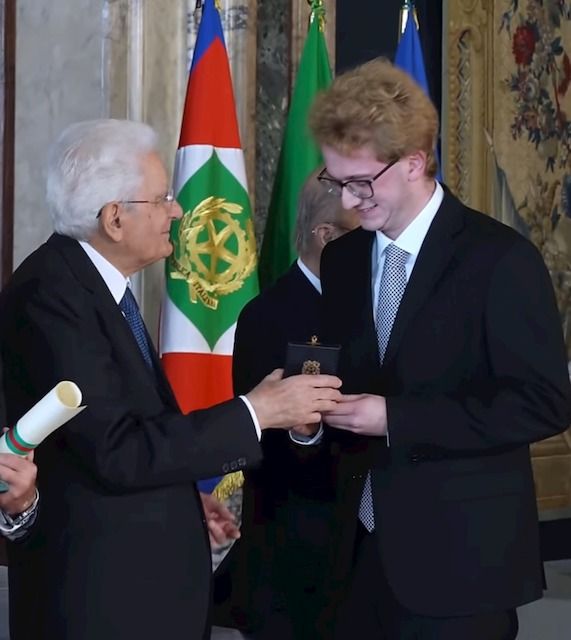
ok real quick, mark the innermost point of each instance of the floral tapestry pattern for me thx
(532, 130)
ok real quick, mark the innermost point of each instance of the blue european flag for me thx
(410, 59)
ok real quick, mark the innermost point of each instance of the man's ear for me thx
(417, 165)
(110, 221)
(324, 233)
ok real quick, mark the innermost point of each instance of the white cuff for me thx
(306, 441)
(254, 416)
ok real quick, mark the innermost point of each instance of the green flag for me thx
(299, 155)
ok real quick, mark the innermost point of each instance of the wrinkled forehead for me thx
(155, 177)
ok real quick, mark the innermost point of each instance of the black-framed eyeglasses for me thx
(167, 198)
(361, 188)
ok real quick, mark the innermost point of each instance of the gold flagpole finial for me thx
(317, 12)
(406, 8)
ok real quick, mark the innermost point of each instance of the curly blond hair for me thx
(379, 106)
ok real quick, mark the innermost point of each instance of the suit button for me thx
(241, 462)
(233, 465)
(225, 468)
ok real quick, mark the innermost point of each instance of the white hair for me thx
(91, 164)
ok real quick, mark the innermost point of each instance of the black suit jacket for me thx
(474, 372)
(120, 549)
(288, 497)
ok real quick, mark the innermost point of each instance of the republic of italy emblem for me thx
(215, 253)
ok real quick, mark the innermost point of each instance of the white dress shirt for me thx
(313, 279)
(410, 240)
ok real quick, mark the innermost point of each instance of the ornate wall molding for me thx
(466, 105)
(501, 61)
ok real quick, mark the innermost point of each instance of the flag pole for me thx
(317, 11)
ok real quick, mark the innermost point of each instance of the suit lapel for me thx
(435, 254)
(116, 327)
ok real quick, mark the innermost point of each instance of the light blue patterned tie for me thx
(130, 309)
(391, 289)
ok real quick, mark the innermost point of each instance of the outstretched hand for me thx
(283, 402)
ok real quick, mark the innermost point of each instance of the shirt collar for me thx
(313, 279)
(411, 239)
(113, 278)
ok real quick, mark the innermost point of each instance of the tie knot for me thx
(395, 256)
(128, 304)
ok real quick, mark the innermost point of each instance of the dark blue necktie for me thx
(130, 309)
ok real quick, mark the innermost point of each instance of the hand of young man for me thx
(364, 414)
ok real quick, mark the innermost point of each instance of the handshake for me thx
(283, 403)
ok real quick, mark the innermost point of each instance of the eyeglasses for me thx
(167, 199)
(362, 188)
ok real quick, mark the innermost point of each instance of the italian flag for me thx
(299, 155)
(212, 271)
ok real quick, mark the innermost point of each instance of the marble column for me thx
(58, 81)
(272, 98)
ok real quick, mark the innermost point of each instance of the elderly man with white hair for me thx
(120, 546)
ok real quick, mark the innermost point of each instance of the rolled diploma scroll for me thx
(54, 409)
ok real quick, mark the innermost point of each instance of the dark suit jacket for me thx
(120, 549)
(474, 372)
(288, 498)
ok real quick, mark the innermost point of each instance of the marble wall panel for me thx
(272, 98)
(58, 81)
